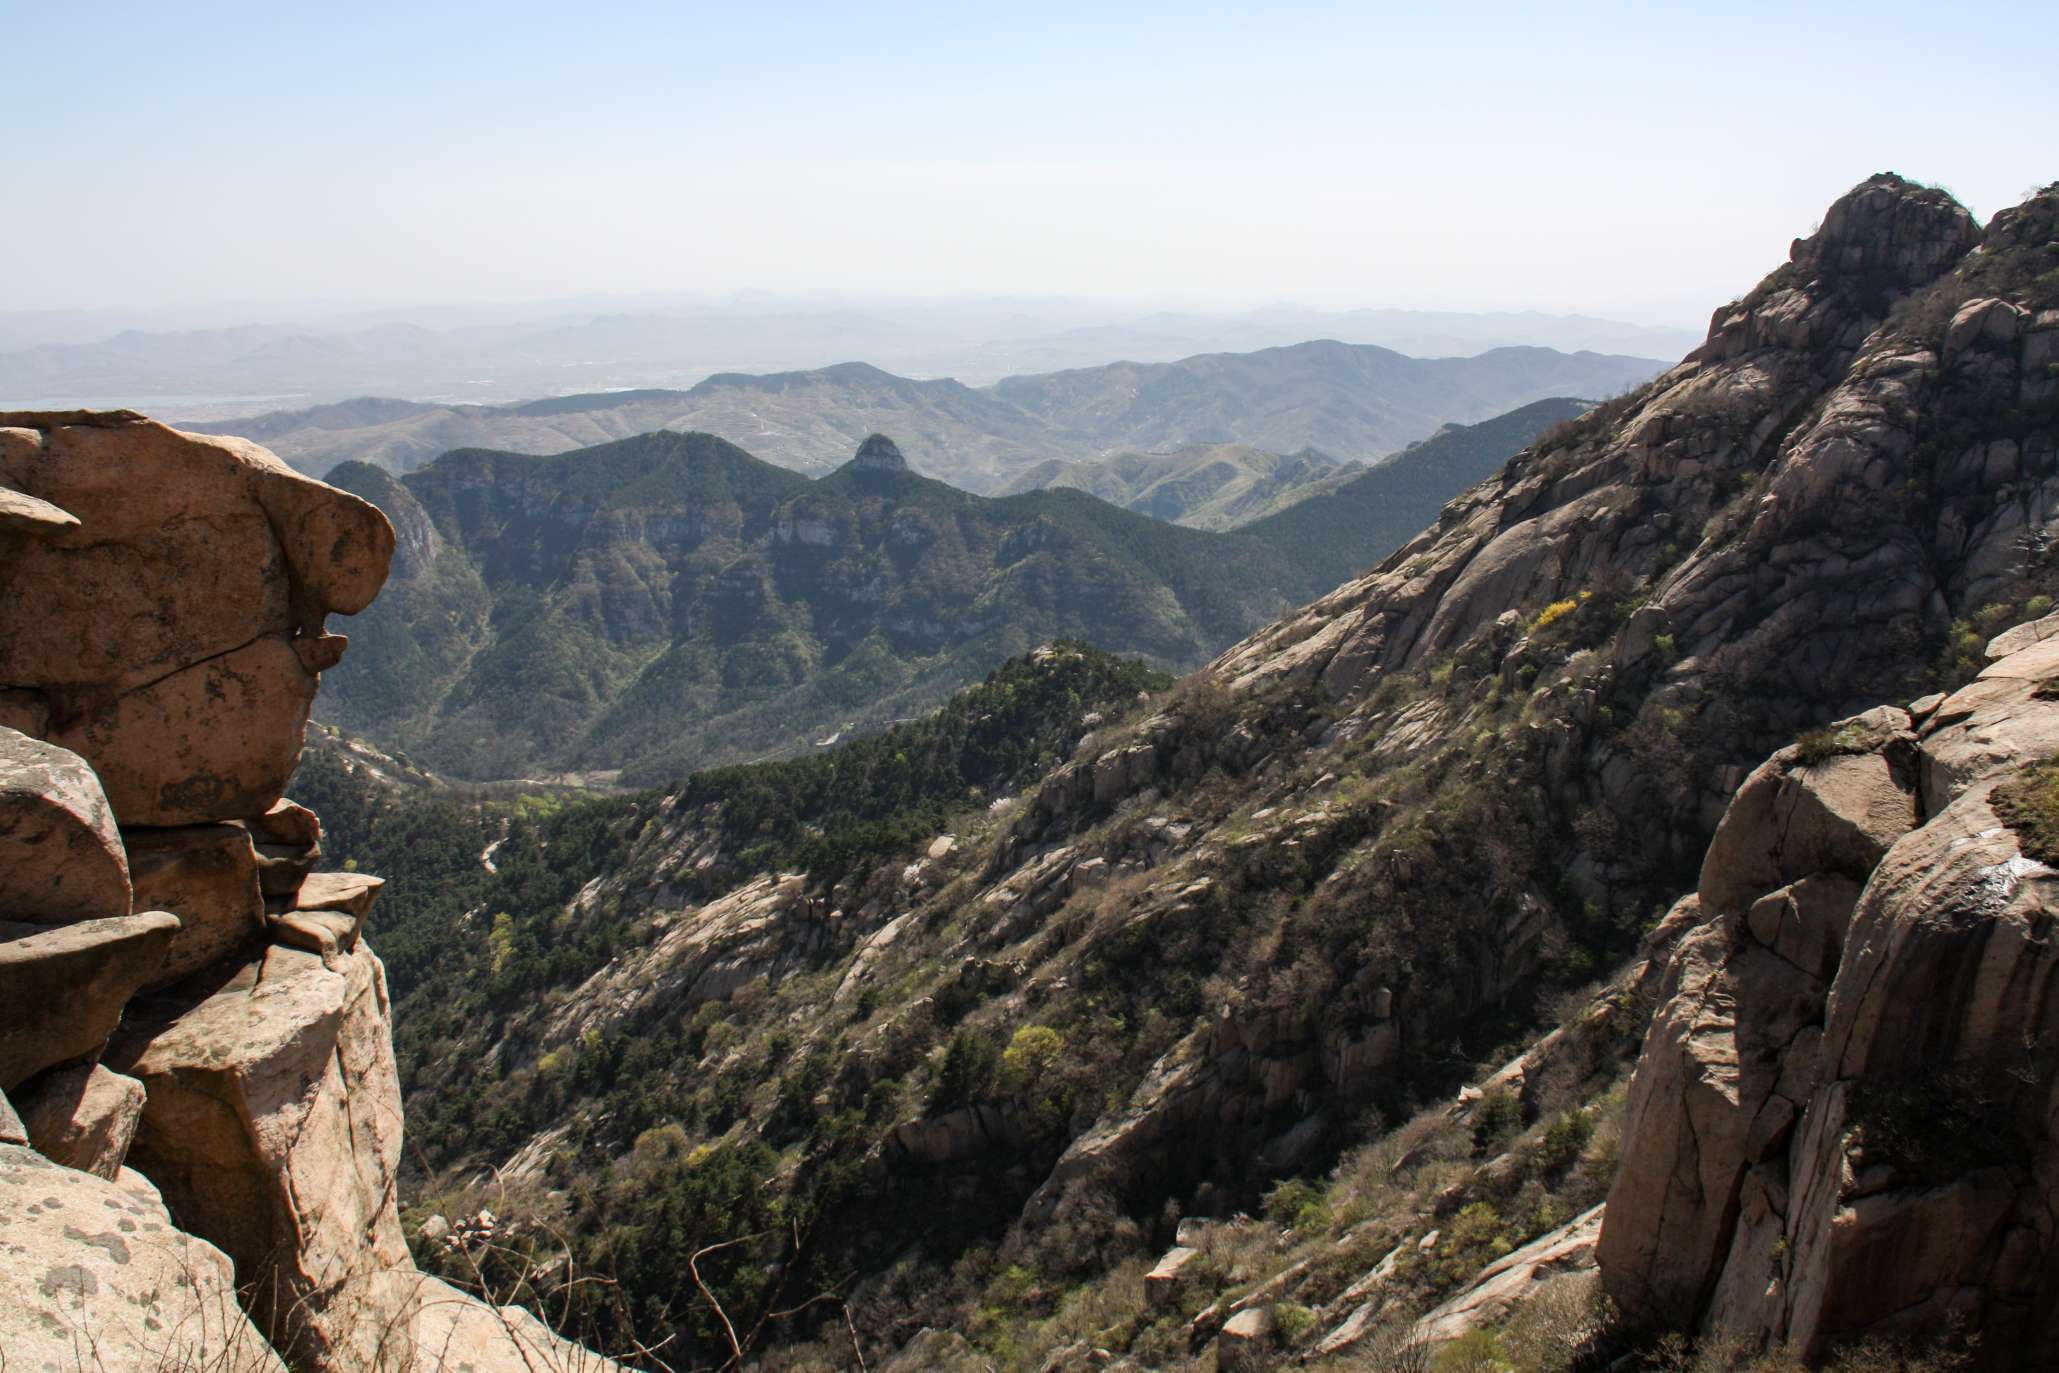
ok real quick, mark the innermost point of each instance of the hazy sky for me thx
(1640, 161)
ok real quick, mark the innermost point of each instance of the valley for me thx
(1271, 1007)
(744, 688)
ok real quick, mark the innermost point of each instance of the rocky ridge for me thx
(200, 1132)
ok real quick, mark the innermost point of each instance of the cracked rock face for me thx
(273, 1127)
(1845, 1119)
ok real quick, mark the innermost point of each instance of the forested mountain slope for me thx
(670, 602)
(965, 1086)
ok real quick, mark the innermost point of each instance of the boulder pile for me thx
(200, 1117)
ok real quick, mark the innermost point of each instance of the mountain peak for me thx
(1890, 229)
(879, 454)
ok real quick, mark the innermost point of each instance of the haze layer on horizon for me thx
(1624, 161)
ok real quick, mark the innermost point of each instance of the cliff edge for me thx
(200, 1129)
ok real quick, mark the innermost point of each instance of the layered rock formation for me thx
(1842, 1122)
(202, 1171)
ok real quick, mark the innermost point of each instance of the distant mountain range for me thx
(1208, 486)
(197, 362)
(1348, 400)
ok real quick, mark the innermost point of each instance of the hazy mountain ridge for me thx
(497, 354)
(1211, 486)
(1349, 401)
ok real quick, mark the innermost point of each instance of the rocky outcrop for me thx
(98, 1277)
(457, 1333)
(161, 638)
(273, 1120)
(176, 631)
(1506, 1285)
(879, 454)
(1841, 1123)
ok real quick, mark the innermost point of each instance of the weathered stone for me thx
(457, 1333)
(12, 1131)
(189, 546)
(63, 857)
(83, 1117)
(1704, 1107)
(1841, 1124)
(1792, 819)
(1246, 1341)
(273, 1127)
(2014, 640)
(207, 876)
(178, 636)
(26, 517)
(1804, 922)
(288, 824)
(349, 892)
(77, 978)
(1985, 323)
(1162, 1283)
(97, 1278)
(327, 934)
(1504, 1286)
(214, 739)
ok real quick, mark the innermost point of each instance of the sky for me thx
(1640, 162)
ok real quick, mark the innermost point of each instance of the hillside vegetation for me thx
(670, 602)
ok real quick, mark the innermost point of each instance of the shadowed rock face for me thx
(1842, 1122)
